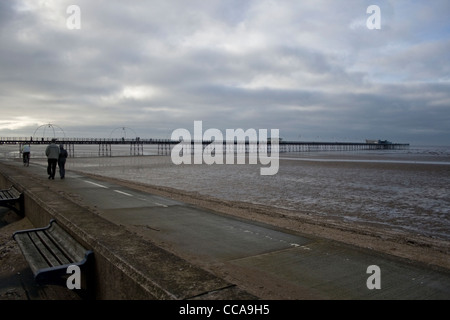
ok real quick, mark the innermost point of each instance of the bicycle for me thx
(26, 159)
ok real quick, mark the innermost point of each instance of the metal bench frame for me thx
(10, 197)
(50, 251)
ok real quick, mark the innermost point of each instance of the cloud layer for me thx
(309, 68)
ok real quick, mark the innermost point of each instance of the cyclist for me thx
(26, 154)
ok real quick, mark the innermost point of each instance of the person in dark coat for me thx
(62, 161)
(52, 153)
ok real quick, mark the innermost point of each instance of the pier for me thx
(164, 146)
(234, 144)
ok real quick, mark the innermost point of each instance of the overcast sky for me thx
(312, 69)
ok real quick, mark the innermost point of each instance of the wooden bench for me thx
(9, 198)
(50, 251)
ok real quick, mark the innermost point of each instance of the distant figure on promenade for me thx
(62, 161)
(26, 154)
(52, 153)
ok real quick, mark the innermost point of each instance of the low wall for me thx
(126, 267)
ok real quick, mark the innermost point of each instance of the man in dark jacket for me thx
(62, 161)
(52, 153)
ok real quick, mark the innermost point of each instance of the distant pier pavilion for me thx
(164, 146)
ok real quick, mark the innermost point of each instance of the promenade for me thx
(210, 255)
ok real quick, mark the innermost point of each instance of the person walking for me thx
(62, 161)
(52, 153)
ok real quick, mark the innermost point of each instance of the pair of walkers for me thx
(56, 156)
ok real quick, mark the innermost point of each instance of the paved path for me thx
(295, 266)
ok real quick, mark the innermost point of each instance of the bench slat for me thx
(58, 249)
(51, 253)
(65, 241)
(9, 194)
(31, 254)
(45, 253)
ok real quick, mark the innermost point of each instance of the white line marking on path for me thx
(124, 193)
(162, 205)
(121, 192)
(96, 184)
(158, 204)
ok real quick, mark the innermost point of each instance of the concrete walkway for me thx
(285, 264)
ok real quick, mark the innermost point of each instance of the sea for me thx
(402, 190)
